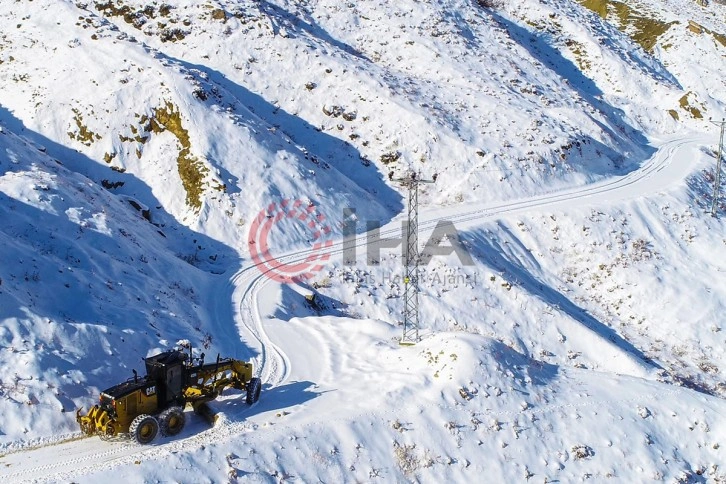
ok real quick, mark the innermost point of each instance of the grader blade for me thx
(206, 412)
(143, 406)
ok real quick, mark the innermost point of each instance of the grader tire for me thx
(172, 421)
(254, 386)
(144, 428)
(108, 433)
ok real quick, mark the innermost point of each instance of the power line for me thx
(717, 182)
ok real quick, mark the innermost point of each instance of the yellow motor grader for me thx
(142, 406)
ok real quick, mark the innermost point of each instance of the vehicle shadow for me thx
(287, 395)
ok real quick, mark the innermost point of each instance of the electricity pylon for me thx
(411, 260)
(714, 203)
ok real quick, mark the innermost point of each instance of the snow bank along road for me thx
(669, 165)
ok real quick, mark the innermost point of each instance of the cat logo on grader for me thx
(143, 406)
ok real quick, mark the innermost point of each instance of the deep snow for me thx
(585, 340)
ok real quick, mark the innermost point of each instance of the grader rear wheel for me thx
(172, 421)
(253, 390)
(144, 428)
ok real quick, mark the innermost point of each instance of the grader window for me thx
(106, 402)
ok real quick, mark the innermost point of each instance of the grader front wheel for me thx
(108, 432)
(144, 428)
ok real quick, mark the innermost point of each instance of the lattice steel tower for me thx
(717, 182)
(411, 260)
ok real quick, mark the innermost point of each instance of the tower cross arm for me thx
(412, 179)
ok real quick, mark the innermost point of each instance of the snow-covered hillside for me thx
(572, 149)
(90, 283)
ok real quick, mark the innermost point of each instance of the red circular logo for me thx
(305, 263)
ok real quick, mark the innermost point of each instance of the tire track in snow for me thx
(274, 365)
(605, 192)
(598, 192)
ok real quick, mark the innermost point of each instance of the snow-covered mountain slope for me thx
(495, 102)
(456, 407)
(611, 283)
(572, 150)
(186, 131)
(90, 282)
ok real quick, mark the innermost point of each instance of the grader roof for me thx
(126, 387)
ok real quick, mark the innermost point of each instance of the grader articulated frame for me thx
(143, 406)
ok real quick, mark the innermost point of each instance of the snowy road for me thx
(671, 163)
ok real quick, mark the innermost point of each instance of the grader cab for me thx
(143, 406)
